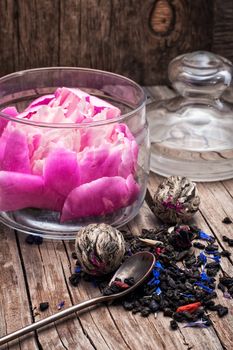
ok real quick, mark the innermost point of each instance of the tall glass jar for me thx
(192, 133)
(56, 177)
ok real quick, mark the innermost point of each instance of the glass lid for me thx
(192, 133)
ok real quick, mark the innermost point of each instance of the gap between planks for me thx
(209, 218)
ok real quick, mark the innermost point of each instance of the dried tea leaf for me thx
(151, 242)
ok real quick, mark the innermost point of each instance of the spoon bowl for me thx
(138, 266)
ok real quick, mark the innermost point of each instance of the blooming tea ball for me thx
(176, 200)
(100, 248)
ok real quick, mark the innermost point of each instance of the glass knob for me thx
(200, 73)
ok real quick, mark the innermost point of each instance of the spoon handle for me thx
(52, 318)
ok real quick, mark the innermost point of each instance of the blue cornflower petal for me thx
(204, 276)
(205, 236)
(61, 304)
(203, 258)
(150, 283)
(216, 258)
(77, 269)
(201, 285)
(156, 273)
(158, 265)
(187, 295)
(158, 291)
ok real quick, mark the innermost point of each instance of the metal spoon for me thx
(138, 266)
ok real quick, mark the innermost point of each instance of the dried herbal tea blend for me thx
(118, 286)
(31, 239)
(227, 220)
(43, 306)
(183, 282)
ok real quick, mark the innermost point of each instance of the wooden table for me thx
(30, 274)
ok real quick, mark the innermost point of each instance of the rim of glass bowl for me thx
(79, 125)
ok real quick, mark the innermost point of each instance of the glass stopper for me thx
(200, 73)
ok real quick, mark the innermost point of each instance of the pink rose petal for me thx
(121, 130)
(82, 172)
(100, 197)
(50, 200)
(116, 156)
(61, 172)
(12, 112)
(129, 156)
(18, 191)
(16, 153)
(94, 136)
(76, 101)
(27, 114)
(98, 162)
(35, 106)
(107, 160)
(3, 140)
(41, 101)
(133, 188)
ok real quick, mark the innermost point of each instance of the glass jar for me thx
(56, 177)
(192, 133)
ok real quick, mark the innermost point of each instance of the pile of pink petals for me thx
(79, 172)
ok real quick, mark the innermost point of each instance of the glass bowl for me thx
(56, 177)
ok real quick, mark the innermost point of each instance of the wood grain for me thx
(46, 283)
(15, 308)
(163, 17)
(136, 38)
(38, 33)
(8, 37)
(223, 28)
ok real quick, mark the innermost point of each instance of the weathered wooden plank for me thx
(37, 33)
(14, 304)
(216, 205)
(97, 322)
(209, 219)
(229, 186)
(223, 28)
(46, 283)
(205, 220)
(8, 37)
(134, 38)
(145, 218)
(102, 34)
